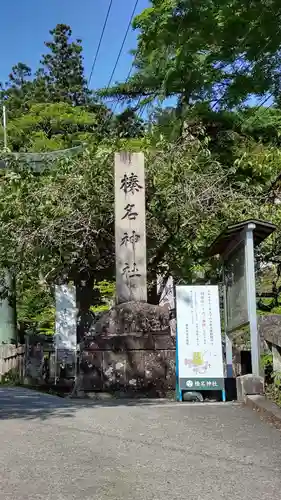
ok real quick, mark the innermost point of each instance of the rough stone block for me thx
(276, 354)
(249, 384)
(155, 367)
(164, 342)
(132, 318)
(91, 370)
(171, 369)
(114, 369)
(135, 369)
(119, 343)
(270, 328)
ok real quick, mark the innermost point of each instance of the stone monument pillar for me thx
(132, 347)
(130, 235)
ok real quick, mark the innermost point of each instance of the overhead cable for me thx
(100, 41)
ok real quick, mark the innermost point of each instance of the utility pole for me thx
(5, 127)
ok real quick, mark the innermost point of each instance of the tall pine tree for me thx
(63, 68)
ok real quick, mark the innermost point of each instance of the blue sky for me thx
(26, 24)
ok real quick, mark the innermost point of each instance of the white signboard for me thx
(199, 344)
(66, 318)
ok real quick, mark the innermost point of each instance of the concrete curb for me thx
(266, 409)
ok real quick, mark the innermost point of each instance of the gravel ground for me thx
(55, 449)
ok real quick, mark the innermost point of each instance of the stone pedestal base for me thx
(131, 349)
(249, 384)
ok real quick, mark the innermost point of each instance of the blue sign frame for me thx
(195, 384)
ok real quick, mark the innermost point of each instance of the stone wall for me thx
(270, 333)
(128, 362)
(129, 348)
(43, 365)
(270, 328)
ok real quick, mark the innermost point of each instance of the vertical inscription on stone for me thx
(130, 235)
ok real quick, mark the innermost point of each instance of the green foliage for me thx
(18, 91)
(62, 68)
(205, 168)
(273, 389)
(127, 124)
(266, 360)
(60, 77)
(106, 294)
(50, 127)
(272, 378)
(60, 223)
(10, 378)
(218, 50)
(53, 109)
(35, 308)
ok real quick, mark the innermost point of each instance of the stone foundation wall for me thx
(127, 362)
(270, 333)
(270, 328)
(129, 348)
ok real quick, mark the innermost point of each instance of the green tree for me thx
(127, 124)
(43, 110)
(20, 75)
(16, 93)
(63, 68)
(219, 50)
(48, 127)
(60, 77)
(35, 308)
(60, 224)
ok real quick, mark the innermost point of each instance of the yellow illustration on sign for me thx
(197, 359)
(197, 363)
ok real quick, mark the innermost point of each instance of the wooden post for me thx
(130, 234)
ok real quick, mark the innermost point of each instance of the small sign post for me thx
(199, 361)
(236, 248)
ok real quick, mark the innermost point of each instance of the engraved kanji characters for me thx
(131, 271)
(130, 183)
(133, 239)
(129, 212)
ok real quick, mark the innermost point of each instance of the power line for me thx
(256, 109)
(107, 120)
(256, 57)
(131, 68)
(128, 76)
(100, 41)
(122, 44)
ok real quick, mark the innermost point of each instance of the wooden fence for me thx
(12, 361)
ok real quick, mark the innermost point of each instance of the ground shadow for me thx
(21, 403)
